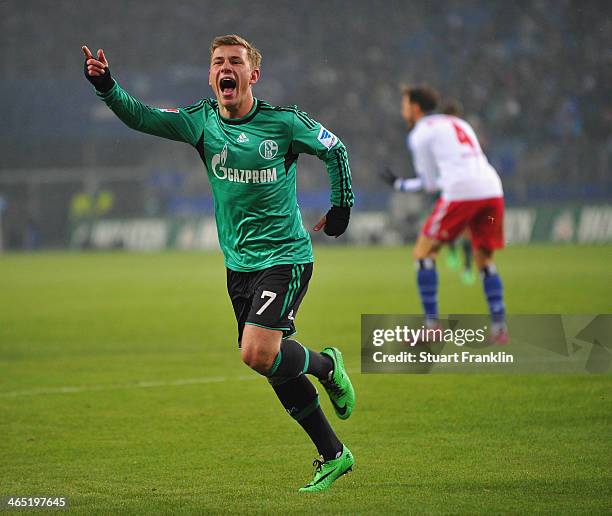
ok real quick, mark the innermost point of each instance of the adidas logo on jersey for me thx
(327, 138)
(242, 138)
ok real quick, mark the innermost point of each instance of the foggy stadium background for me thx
(533, 77)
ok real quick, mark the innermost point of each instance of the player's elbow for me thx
(133, 123)
(338, 146)
(333, 151)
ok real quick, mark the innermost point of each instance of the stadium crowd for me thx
(533, 78)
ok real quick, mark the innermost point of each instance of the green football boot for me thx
(339, 386)
(468, 277)
(329, 471)
(452, 260)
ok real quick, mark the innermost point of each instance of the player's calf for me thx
(424, 252)
(294, 359)
(427, 281)
(301, 401)
(494, 292)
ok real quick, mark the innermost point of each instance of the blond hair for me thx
(253, 54)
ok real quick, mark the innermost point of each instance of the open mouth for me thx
(227, 85)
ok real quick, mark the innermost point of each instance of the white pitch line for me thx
(112, 387)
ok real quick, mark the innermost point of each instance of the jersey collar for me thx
(422, 120)
(246, 118)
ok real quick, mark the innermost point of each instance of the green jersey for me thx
(251, 166)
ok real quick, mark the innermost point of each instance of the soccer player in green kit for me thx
(250, 150)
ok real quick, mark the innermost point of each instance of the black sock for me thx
(322, 434)
(467, 254)
(294, 359)
(300, 399)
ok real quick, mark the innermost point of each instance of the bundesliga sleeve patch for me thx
(169, 110)
(326, 138)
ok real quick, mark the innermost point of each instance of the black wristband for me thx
(102, 83)
(388, 176)
(336, 220)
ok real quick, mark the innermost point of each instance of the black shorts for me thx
(269, 298)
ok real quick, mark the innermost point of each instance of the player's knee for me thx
(483, 257)
(418, 254)
(257, 358)
(425, 251)
(424, 263)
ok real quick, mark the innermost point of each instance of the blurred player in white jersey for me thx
(447, 157)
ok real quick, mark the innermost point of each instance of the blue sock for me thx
(494, 291)
(427, 280)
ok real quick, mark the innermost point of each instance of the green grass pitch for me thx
(121, 388)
